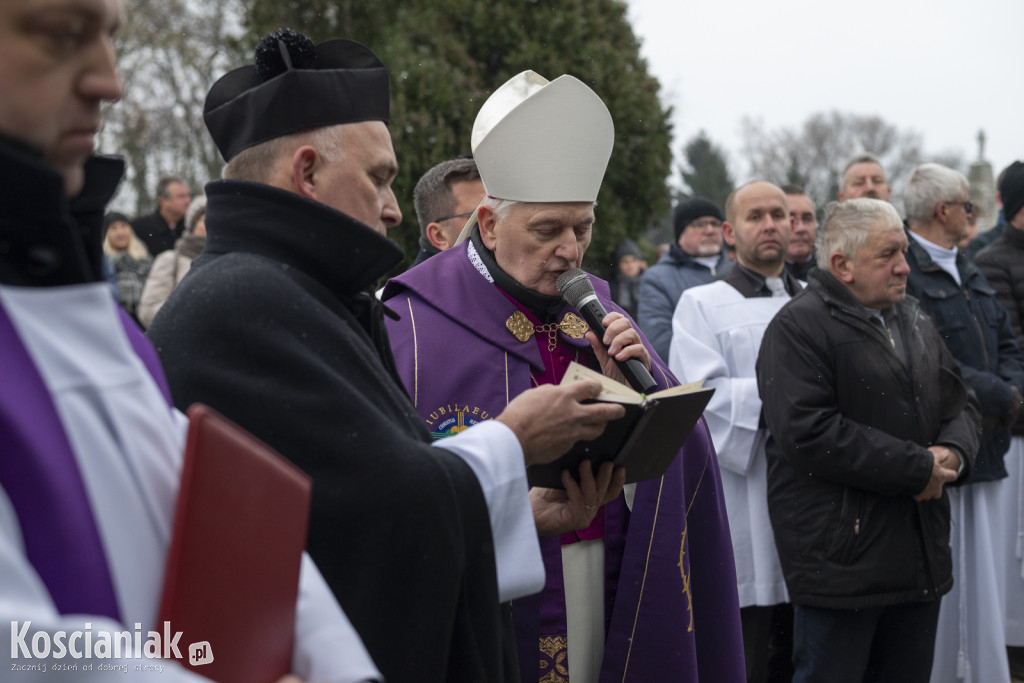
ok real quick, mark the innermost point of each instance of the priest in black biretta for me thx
(295, 86)
(276, 327)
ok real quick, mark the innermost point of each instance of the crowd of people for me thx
(847, 509)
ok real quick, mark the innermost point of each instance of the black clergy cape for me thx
(272, 328)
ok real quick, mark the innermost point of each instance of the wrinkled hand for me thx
(556, 512)
(548, 420)
(948, 458)
(941, 474)
(622, 342)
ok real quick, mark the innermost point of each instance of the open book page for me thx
(616, 392)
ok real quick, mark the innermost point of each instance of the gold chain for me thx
(552, 330)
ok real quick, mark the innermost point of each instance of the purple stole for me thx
(40, 475)
(544, 614)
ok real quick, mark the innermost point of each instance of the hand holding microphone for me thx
(576, 288)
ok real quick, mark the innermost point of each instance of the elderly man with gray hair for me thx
(869, 420)
(977, 331)
(444, 199)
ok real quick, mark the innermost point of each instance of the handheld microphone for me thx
(578, 291)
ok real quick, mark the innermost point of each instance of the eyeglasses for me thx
(703, 224)
(968, 206)
(448, 218)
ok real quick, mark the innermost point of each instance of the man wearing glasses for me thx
(444, 199)
(977, 331)
(694, 259)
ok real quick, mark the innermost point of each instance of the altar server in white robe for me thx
(716, 334)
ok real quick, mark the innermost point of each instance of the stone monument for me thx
(983, 188)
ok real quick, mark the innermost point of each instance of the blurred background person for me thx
(162, 228)
(170, 266)
(971, 230)
(625, 281)
(128, 258)
(800, 255)
(864, 177)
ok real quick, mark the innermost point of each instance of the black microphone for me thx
(577, 289)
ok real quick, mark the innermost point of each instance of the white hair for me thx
(928, 185)
(500, 207)
(847, 225)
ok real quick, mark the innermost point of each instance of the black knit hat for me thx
(692, 209)
(1011, 190)
(293, 87)
(627, 247)
(114, 217)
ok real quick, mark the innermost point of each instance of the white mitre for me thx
(536, 140)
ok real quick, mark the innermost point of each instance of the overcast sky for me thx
(945, 69)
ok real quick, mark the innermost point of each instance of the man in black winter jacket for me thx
(870, 419)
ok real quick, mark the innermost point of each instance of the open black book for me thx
(644, 441)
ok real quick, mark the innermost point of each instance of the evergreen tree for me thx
(445, 57)
(708, 174)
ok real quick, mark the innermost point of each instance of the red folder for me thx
(232, 575)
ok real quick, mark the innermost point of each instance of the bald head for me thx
(758, 224)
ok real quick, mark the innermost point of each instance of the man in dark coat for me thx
(275, 328)
(869, 419)
(162, 228)
(976, 329)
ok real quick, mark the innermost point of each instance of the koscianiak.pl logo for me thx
(100, 644)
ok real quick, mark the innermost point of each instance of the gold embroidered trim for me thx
(415, 357)
(522, 329)
(686, 581)
(643, 582)
(554, 659)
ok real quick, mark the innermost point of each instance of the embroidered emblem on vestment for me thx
(452, 418)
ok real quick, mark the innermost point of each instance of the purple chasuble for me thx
(40, 475)
(675, 615)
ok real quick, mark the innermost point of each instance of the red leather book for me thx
(232, 573)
